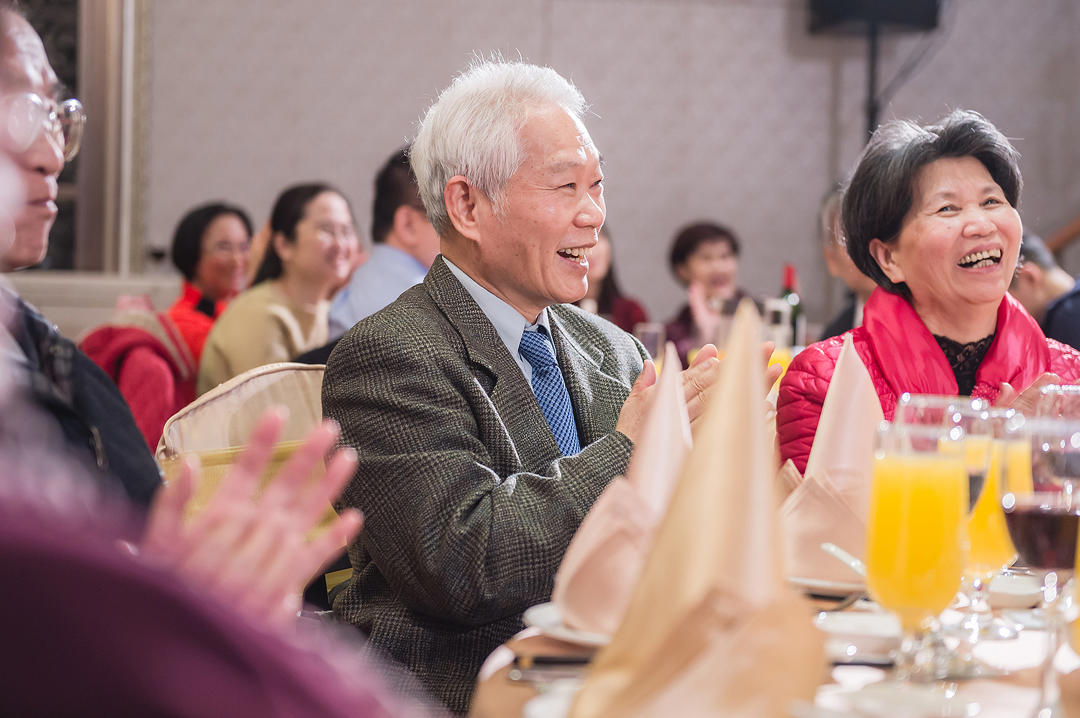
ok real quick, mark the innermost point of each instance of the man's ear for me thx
(404, 223)
(883, 254)
(1029, 272)
(1028, 278)
(465, 204)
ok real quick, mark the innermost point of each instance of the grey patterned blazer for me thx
(469, 505)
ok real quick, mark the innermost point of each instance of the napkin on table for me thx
(604, 559)
(832, 501)
(712, 628)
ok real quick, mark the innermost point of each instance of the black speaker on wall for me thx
(853, 17)
(872, 18)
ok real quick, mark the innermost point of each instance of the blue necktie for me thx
(550, 390)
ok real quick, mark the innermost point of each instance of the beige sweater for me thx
(261, 326)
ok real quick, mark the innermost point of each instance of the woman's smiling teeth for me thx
(575, 254)
(984, 258)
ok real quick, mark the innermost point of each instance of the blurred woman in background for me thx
(210, 248)
(834, 248)
(310, 252)
(705, 259)
(604, 296)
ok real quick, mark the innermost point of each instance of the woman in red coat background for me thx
(930, 215)
(210, 248)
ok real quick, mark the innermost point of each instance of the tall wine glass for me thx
(1042, 511)
(914, 557)
(967, 414)
(990, 549)
(1058, 401)
(651, 335)
(986, 543)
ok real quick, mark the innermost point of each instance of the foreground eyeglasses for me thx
(28, 115)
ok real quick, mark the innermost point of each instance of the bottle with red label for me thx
(790, 294)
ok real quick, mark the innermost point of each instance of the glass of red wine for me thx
(1039, 494)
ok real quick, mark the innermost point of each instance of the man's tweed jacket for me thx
(469, 507)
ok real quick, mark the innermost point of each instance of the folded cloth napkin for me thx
(832, 502)
(602, 563)
(788, 479)
(712, 629)
(1069, 685)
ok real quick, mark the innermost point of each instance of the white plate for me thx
(890, 699)
(547, 618)
(1015, 590)
(859, 636)
(838, 589)
(554, 702)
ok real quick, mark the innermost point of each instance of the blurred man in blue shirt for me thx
(1049, 293)
(405, 245)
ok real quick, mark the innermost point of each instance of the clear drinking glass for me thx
(914, 554)
(986, 545)
(1058, 401)
(1042, 511)
(651, 335)
(969, 416)
(990, 550)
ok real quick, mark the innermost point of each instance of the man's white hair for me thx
(472, 129)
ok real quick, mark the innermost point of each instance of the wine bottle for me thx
(790, 294)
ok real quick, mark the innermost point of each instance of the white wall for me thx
(720, 109)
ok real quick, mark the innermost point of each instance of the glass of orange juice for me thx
(914, 552)
(989, 551)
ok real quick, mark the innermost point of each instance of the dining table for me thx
(521, 670)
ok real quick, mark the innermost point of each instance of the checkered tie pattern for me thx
(550, 390)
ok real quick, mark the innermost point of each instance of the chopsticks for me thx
(527, 662)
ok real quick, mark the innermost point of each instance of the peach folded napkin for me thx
(831, 503)
(712, 628)
(603, 561)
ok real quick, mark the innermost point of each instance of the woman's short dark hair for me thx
(187, 239)
(288, 211)
(692, 236)
(882, 188)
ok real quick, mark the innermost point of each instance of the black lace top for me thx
(965, 359)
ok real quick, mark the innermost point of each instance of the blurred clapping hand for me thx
(257, 552)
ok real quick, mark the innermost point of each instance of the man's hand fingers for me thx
(164, 523)
(316, 502)
(294, 480)
(243, 476)
(696, 382)
(767, 349)
(705, 353)
(772, 373)
(646, 378)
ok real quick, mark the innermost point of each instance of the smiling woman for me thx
(286, 312)
(930, 215)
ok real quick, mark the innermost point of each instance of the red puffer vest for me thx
(902, 356)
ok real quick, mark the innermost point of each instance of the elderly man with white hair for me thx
(487, 412)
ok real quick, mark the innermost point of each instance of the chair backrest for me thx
(223, 417)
